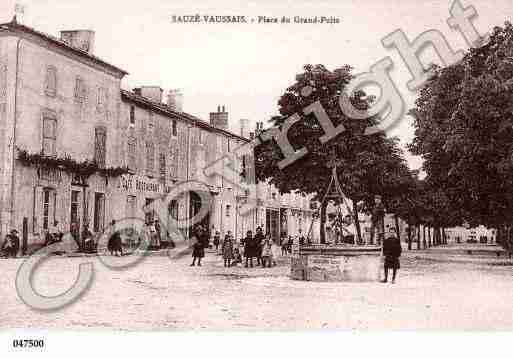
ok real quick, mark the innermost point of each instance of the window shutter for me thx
(162, 165)
(100, 141)
(51, 81)
(150, 158)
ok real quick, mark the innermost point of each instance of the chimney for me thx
(259, 128)
(79, 39)
(175, 100)
(219, 119)
(153, 93)
(244, 127)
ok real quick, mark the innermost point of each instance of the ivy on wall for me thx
(83, 169)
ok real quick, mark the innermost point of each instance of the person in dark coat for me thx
(217, 240)
(250, 248)
(198, 250)
(391, 251)
(259, 242)
(158, 232)
(11, 245)
(115, 245)
(205, 237)
(87, 235)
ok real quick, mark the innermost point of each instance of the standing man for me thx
(158, 233)
(250, 248)
(391, 251)
(378, 220)
(259, 240)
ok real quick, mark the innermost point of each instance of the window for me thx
(173, 162)
(3, 80)
(150, 158)
(131, 205)
(151, 124)
(174, 128)
(244, 174)
(51, 81)
(49, 134)
(132, 154)
(228, 209)
(75, 205)
(46, 207)
(102, 95)
(149, 216)
(228, 144)
(132, 116)
(162, 166)
(200, 136)
(80, 90)
(99, 212)
(100, 141)
(173, 209)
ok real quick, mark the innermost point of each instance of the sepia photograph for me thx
(253, 168)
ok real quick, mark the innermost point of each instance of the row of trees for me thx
(463, 130)
(463, 120)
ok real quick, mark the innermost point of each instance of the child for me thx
(217, 240)
(227, 250)
(266, 253)
(237, 258)
(274, 252)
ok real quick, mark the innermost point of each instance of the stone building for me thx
(64, 109)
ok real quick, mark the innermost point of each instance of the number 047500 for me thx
(28, 343)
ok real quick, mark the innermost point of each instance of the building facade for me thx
(63, 110)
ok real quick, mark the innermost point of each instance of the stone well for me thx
(323, 263)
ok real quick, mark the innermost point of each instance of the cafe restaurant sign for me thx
(131, 183)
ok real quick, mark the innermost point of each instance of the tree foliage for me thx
(367, 164)
(463, 130)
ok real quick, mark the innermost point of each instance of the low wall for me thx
(337, 264)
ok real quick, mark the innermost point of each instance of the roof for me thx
(167, 111)
(15, 26)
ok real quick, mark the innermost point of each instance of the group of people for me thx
(257, 247)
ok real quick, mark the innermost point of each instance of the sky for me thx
(246, 67)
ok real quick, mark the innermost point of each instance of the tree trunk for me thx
(424, 243)
(429, 237)
(324, 206)
(418, 237)
(444, 236)
(357, 223)
(397, 231)
(437, 235)
(409, 237)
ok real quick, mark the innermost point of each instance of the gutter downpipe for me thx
(188, 197)
(11, 220)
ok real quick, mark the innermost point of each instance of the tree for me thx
(463, 130)
(366, 163)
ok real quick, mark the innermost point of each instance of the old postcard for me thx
(259, 166)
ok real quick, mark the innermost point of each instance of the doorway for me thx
(194, 209)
